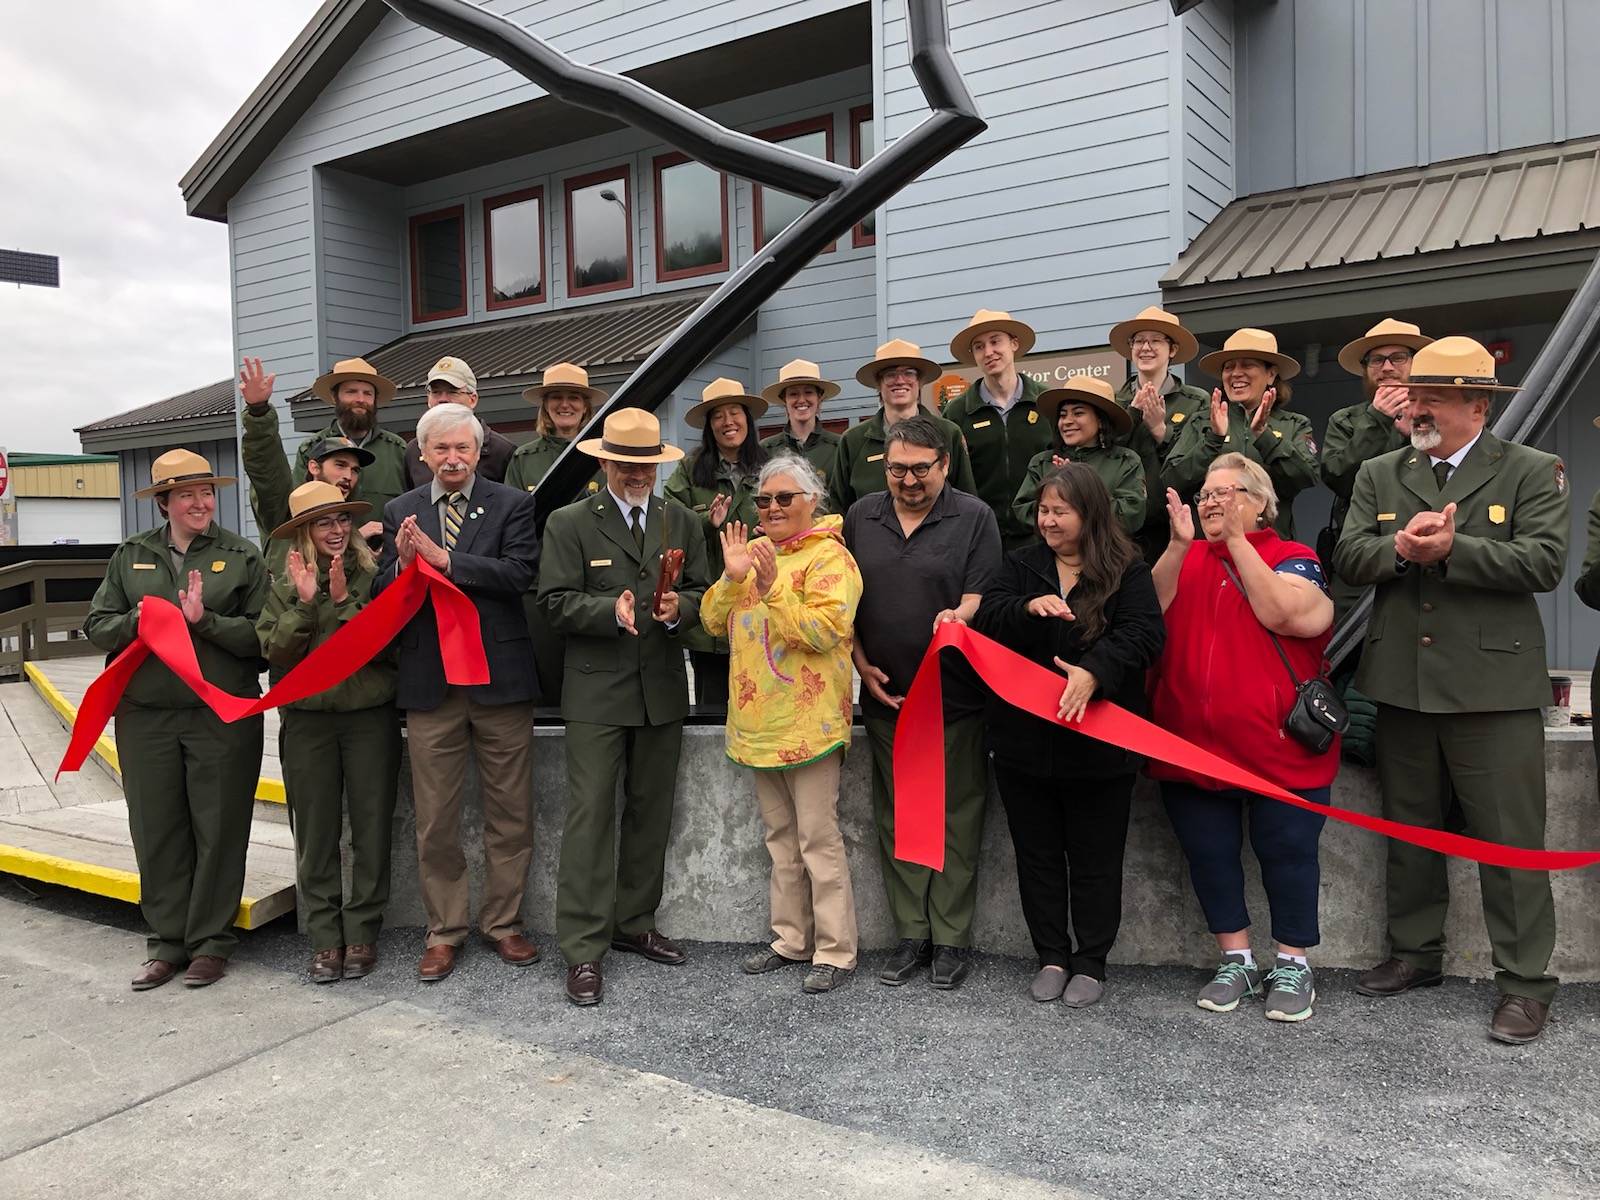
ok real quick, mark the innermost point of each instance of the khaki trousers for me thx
(813, 907)
(501, 736)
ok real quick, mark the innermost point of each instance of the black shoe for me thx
(1394, 976)
(909, 957)
(951, 964)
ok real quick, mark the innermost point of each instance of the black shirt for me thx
(906, 582)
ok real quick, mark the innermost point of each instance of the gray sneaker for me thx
(1231, 984)
(1082, 991)
(1291, 992)
(824, 978)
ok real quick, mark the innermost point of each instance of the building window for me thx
(691, 218)
(599, 233)
(863, 145)
(439, 264)
(513, 249)
(774, 210)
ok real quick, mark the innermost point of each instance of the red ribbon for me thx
(919, 797)
(164, 632)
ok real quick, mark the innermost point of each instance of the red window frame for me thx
(858, 116)
(459, 212)
(809, 125)
(661, 163)
(623, 173)
(489, 205)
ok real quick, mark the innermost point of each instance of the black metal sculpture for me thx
(844, 196)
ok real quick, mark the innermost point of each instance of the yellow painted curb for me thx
(88, 877)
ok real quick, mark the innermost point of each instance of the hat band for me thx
(1454, 380)
(618, 448)
(173, 479)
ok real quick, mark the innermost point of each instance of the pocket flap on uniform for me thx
(591, 655)
(1509, 641)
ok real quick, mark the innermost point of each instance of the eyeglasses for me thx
(899, 373)
(337, 521)
(440, 388)
(1219, 493)
(781, 499)
(1399, 358)
(918, 470)
(1150, 342)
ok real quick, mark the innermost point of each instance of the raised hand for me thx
(735, 551)
(1236, 522)
(1219, 413)
(1391, 400)
(1050, 605)
(719, 509)
(624, 611)
(1181, 517)
(405, 541)
(191, 599)
(255, 385)
(766, 562)
(1153, 409)
(303, 576)
(1258, 421)
(338, 587)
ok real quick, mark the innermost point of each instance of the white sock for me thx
(1294, 958)
(1248, 956)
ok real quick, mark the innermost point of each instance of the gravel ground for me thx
(1143, 1095)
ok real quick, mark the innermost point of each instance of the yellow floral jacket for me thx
(789, 687)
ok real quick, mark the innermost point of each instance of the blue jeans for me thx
(1210, 828)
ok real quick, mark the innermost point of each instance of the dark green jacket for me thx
(1354, 435)
(533, 460)
(1183, 402)
(820, 449)
(1001, 448)
(858, 467)
(380, 483)
(612, 677)
(1119, 469)
(1467, 637)
(234, 590)
(1587, 585)
(698, 501)
(289, 629)
(1285, 448)
(267, 467)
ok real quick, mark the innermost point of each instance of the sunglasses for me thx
(781, 499)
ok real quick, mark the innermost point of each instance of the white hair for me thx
(797, 469)
(442, 418)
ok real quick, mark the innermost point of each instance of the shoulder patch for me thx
(1561, 477)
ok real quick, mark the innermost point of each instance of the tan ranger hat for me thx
(1086, 389)
(987, 320)
(1387, 332)
(316, 499)
(724, 391)
(350, 369)
(1250, 343)
(1456, 362)
(180, 468)
(564, 377)
(897, 352)
(1158, 320)
(631, 435)
(798, 371)
(456, 373)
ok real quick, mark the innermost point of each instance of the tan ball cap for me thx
(987, 320)
(316, 499)
(1456, 362)
(564, 377)
(1160, 321)
(1250, 343)
(631, 435)
(897, 352)
(180, 468)
(1086, 389)
(456, 373)
(357, 369)
(799, 371)
(1387, 332)
(724, 391)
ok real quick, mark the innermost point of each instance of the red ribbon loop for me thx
(919, 798)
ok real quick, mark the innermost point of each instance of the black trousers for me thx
(1069, 836)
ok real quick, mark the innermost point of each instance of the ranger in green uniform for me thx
(340, 749)
(1160, 404)
(190, 778)
(355, 389)
(897, 373)
(1459, 533)
(999, 416)
(1089, 422)
(1587, 585)
(625, 696)
(1251, 421)
(801, 391)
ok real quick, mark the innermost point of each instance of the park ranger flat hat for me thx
(719, 392)
(564, 377)
(1158, 320)
(1250, 343)
(1387, 332)
(1456, 362)
(1086, 389)
(316, 499)
(631, 435)
(897, 352)
(987, 320)
(796, 372)
(353, 370)
(181, 468)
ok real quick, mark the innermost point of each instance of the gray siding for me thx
(360, 257)
(1205, 111)
(1334, 88)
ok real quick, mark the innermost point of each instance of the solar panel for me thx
(40, 270)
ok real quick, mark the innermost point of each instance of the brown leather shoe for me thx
(653, 944)
(360, 960)
(204, 970)
(584, 985)
(437, 962)
(516, 950)
(327, 966)
(1518, 1020)
(153, 974)
(1394, 976)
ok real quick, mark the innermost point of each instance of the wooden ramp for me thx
(74, 832)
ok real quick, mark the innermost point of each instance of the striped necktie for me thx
(454, 505)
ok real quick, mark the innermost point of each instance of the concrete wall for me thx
(717, 867)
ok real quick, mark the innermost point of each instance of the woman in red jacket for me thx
(1221, 685)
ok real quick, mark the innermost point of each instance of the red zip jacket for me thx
(1222, 686)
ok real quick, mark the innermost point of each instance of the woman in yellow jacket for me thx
(788, 601)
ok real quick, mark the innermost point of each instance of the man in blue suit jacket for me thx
(482, 535)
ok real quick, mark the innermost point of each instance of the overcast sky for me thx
(104, 104)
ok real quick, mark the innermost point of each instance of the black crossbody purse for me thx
(1318, 715)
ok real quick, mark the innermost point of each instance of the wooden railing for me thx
(40, 598)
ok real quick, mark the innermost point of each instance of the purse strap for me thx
(1276, 644)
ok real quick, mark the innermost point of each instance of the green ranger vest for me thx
(1285, 448)
(1119, 469)
(1001, 447)
(820, 449)
(533, 460)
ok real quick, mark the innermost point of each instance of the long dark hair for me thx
(703, 468)
(1104, 545)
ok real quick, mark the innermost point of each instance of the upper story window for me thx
(599, 233)
(774, 210)
(691, 218)
(513, 249)
(439, 264)
(863, 145)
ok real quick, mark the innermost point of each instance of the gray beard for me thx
(1425, 439)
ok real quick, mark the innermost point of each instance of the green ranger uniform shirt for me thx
(820, 449)
(234, 588)
(1183, 403)
(290, 628)
(1001, 447)
(380, 483)
(1463, 635)
(1587, 585)
(613, 677)
(742, 507)
(267, 467)
(533, 460)
(858, 468)
(1354, 435)
(1285, 448)
(1119, 469)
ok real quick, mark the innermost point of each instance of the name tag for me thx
(144, 566)
(1385, 516)
(599, 562)
(982, 424)
(875, 458)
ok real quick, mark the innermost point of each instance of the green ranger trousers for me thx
(1495, 763)
(336, 763)
(190, 780)
(610, 879)
(925, 903)
(549, 653)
